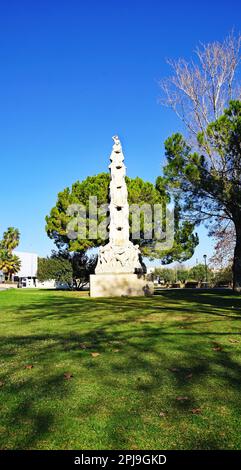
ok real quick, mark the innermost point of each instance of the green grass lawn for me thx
(152, 352)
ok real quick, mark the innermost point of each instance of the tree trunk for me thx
(237, 259)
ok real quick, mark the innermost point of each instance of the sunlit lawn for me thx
(167, 374)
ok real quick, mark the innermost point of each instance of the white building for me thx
(28, 272)
(27, 276)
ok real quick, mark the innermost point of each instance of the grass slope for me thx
(125, 397)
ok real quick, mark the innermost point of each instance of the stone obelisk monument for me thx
(118, 271)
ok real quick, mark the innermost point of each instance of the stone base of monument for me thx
(118, 285)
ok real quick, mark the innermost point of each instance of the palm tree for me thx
(10, 239)
(9, 264)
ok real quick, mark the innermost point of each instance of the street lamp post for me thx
(206, 271)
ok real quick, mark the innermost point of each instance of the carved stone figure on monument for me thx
(118, 176)
(117, 145)
(116, 158)
(118, 195)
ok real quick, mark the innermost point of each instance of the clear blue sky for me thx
(75, 72)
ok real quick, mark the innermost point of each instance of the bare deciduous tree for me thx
(224, 235)
(199, 90)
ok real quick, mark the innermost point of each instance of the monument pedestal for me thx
(119, 285)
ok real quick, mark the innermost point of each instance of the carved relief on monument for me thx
(115, 259)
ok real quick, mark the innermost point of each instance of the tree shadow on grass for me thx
(24, 422)
(129, 387)
(224, 304)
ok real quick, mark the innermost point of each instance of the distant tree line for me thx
(199, 273)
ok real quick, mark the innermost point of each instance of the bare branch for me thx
(199, 90)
